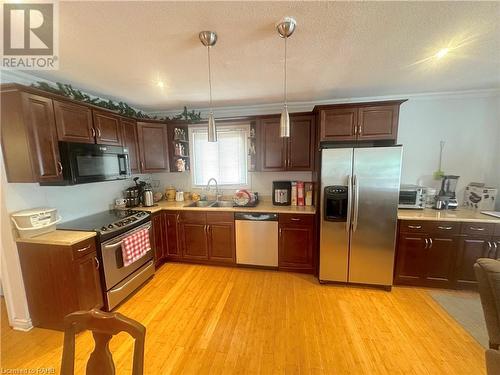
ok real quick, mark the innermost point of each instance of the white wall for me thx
(469, 125)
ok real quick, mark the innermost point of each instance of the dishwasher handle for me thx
(257, 216)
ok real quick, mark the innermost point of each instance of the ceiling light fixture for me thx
(208, 39)
(285, 27)
(441, 53)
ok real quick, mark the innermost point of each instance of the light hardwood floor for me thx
(203, 319)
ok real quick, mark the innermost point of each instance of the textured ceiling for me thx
(339, 50)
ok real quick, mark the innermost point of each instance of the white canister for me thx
(179, 196)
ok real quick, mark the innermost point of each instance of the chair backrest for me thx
(488, 277)
(103, 326)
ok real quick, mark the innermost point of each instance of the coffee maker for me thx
(446, 198)
(282, 193)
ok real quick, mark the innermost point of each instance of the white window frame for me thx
(245, 127)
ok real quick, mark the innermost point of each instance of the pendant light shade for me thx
(212, 129)
(285, 28)
(285, 122)
(208, 39)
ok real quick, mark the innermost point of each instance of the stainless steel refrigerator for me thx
(359, 203)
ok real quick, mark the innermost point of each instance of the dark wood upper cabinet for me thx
(375, 121)
(130, 141)
(378, 122)
(74, 122)
(338, 124)
(295, 153)
(29, 137)
(153, 147)
(300, 148)
(296, 243)
(107, 127)
(272, 146)
(43, 139)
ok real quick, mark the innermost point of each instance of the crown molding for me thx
(307, 106)
(273, 108)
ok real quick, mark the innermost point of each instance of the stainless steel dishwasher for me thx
(257, 239)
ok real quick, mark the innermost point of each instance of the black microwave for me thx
(84, 162)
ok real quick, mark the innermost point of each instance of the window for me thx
(225, 160)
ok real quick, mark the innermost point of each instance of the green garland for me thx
(121, 107)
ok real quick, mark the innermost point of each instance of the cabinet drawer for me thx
(444, 227)
(220, 217)
(412, 226)
(83, 248)
(296, 219)
(193, 217)
(483, 229)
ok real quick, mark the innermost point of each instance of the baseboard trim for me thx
(24, 325)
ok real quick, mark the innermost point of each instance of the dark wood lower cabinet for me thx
(409, 269)
(159, 238)
(221, 242)
(194, 241)
(59, 279)
(439, 261)
(296, 243)
(173, 250)
(471, 249)
(442, 254)
(88, 283)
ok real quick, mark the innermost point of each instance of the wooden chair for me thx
(103, 326)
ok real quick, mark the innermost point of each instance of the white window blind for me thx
(225, 160)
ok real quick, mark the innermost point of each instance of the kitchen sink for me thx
(223, 204)
(204, 204)
(200, 204)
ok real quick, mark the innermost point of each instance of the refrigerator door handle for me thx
(356, 203)
(349, 203)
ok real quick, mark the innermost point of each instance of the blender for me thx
(446, 198)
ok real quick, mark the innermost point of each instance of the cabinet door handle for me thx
(93, 132)
(83, 249)
(444, 228)
(97, 264)
(295, 219)
(99, 132)
(496, 249)
(489, 248)
(430, 243)
(477, 228)
(415, 226)
(59, 167)
(142, 165)
(426, 243)
(280, 232)
(177, 218)
(360, 129)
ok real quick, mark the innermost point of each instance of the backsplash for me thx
(81, 200)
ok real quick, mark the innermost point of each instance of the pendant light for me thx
(208, 39)
(285, 27)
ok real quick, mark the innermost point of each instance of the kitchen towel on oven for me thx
(135, 246)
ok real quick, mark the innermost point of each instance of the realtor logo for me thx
(29, 36)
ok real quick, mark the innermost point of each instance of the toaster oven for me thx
(412, 196)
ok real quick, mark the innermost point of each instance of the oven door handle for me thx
(116, 244)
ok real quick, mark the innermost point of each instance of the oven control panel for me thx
(132, 218)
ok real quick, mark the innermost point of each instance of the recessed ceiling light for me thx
(442, 53)
(160, 84)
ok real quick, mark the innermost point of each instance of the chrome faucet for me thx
(216, 188)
